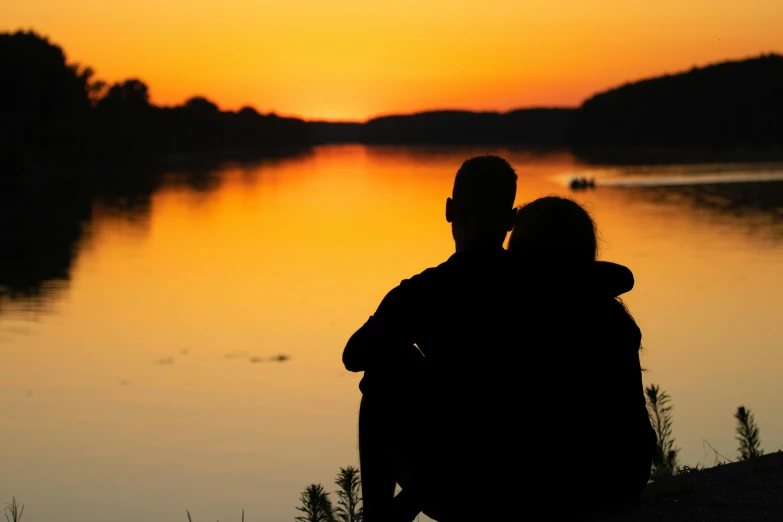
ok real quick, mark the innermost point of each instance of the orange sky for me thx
(353, 59)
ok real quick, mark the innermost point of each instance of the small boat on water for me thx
(582, 183)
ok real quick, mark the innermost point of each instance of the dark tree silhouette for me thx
(660, 410)
(348, 495)
(53, 111)
(44, 106)
(747, 434)
(96, 89)
(316, 505)
(735, 103)
(702, 112)
(534, 127)
(131, 93)
(125, 120)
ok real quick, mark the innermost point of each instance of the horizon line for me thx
(762, 54)
(429, 111)
(308, 119)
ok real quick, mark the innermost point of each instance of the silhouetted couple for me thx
(503, 383)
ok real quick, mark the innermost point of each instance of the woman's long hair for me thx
(556, 230)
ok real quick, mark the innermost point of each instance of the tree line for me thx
(55, 112)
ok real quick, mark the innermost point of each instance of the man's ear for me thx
(512, 216)
(449, 210)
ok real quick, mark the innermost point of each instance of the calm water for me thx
(143, 385)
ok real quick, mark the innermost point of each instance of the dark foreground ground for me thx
(742, 491)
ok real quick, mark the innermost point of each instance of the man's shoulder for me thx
(458, 267)
(415, 290)
(428, 276)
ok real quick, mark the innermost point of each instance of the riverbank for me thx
(749, 491)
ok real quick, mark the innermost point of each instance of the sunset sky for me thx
(354, 59)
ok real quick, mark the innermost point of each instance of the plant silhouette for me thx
(660, 410)
(747, 434)
(349, 483)
(316, 505)
(15, 510)
(191, 520)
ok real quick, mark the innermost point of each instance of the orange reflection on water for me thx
(153, 380)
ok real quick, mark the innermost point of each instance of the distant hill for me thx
(730, 104)
(543, 127)
(335, 131)
(738, 103)
(526, 126)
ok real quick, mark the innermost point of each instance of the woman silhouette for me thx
(584, 353)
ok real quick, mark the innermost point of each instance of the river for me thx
(188, 355)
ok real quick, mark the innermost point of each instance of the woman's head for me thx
(554, 229)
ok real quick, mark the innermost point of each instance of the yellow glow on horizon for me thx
(354, 59)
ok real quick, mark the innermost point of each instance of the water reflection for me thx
(39, 236)
(44, 228)
(756, 209)
(746, 197)
(195, 357)
(645, 156)
(738, 199)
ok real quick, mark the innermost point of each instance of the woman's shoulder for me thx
(606, 320)
(620, 318)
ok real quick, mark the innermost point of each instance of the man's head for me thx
(481, 207)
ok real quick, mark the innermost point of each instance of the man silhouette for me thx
(428, 355)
